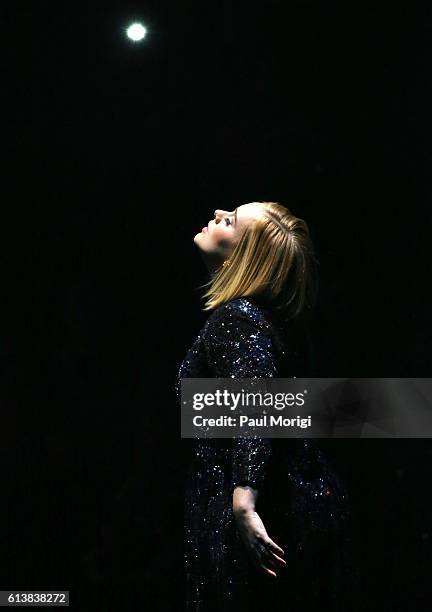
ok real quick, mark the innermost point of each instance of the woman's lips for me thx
(205, 229)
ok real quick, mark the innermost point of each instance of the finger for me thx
(271, 564)
(264, 568)
(280, 561)
(269, 545)
(263, 557)
(275, 547)
(271, 559)
(268, 571)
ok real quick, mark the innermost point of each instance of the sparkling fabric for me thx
(301, 500)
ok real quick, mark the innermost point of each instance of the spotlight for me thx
(136, 32)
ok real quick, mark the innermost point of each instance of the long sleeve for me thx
(239, 345)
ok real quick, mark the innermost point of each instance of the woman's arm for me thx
(238, 346)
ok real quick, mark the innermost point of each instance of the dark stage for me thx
(117, 152)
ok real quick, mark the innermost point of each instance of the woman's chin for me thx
(199, 240)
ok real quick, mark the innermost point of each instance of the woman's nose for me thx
(217, 215)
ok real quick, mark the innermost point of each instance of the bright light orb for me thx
(136, 32)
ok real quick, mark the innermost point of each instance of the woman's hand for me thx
(265, 554)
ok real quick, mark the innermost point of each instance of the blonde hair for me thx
(274, 261)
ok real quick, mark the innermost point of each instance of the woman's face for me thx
(218, 239)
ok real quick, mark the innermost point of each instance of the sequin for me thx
(301, 500)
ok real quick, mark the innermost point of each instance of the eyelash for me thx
(227, 221)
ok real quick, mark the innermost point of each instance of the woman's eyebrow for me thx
(235, 216)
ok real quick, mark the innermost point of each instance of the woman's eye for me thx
(227, 221)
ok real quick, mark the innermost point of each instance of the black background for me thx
(115, 155)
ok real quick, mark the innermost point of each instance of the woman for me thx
(265, 520)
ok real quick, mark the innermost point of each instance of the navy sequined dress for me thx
(301, 500)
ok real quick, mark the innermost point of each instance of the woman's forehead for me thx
(250, 210)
